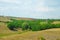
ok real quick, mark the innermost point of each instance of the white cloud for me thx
(43, 9)
(30, 8)
(45, 6)
(2, 9)
(10, 1)
(38, 5)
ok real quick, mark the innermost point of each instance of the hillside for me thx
(51, 34)
(8, 18)
(6, 34)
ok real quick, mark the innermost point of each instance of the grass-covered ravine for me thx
(34, 25)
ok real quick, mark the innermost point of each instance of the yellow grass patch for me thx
(49, 34)
(56, 22)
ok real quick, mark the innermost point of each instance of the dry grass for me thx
(49, 34)
(4, 19)
(7, 18)
(4, 31)
(3, 28)
(56, 22)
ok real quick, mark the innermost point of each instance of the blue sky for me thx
(31, 8)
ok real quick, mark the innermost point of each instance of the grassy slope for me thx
(7, 18)
(51, 34)
(6, 34)
(4, 31)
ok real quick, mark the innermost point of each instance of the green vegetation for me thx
(57, 39)
(14, 25)
(34, 25)
(25, 26)
(43, 38)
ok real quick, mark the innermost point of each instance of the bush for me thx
(57, 25)
(34, 25)
(43, 38)
(25, 26)
(14, 25)
(35, 28)
(11, 26)
(46, 25)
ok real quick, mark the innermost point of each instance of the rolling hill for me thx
(6, 34)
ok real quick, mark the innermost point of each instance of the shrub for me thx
(57, 25)
(34, 26)
(11, 26)
(14, 25)
(43, 38)
(25, 26)
(46, 25)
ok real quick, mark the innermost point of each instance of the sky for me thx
(41, 9)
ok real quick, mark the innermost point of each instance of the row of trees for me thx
(34, 25)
